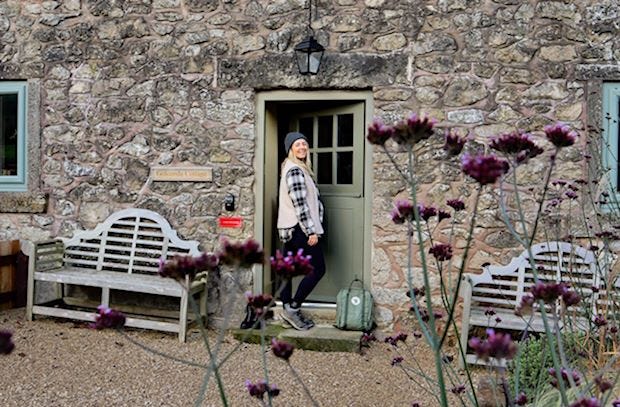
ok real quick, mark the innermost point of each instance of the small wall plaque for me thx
(195, 174)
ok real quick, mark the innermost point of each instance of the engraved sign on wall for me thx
(193, 174)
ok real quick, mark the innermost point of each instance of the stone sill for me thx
(23, 202)
(598, 71)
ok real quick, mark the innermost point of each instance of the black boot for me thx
(250, 318)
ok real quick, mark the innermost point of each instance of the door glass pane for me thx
(306, 128)
(8, 134)
(326, 131)
(345, 130)
(324, 168)
(345, 167)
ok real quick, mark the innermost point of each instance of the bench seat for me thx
(501, 288)
(121, 254)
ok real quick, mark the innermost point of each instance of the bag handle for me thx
(354, 281)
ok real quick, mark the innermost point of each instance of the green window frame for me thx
(16, 182)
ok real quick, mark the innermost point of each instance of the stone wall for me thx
(129, 84)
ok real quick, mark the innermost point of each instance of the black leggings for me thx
(300, 241)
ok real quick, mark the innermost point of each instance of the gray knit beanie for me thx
(291, 138)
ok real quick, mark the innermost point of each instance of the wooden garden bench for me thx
(121, 253)
(497, 291)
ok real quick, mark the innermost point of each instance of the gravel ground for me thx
(59, 363)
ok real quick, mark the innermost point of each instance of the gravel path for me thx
(59, 363)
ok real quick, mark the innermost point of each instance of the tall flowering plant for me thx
(490, 172)
(184, 270)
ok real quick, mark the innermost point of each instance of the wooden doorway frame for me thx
(266, 123)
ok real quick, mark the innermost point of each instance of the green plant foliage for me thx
(534, 361)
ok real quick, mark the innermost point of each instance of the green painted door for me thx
(336, 138)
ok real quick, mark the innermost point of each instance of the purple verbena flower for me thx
(394, 339)
(182, 267)
(602, 383)
(548, 292)
(281, 349)
(564, 373)
(599, 320)
(6, 342)
(379, 133)
(560, 135)
(456, 204)
(290, 266)
(108, 318)
(403, 211)
(260, 388)
(521, 399)
(453, 143)
(606, 235)
(526, 306)
(458, 389)
(570, 194)
(518, 144)
(497, 345)
(489, 312)
(417, 292)
(586, 402)
(570, 298)
(486, 169)
(441, 215)
(241, 254)
(413, 130)
(615, 403)
(206, 262)
(426, 212)
(367, 338)
(442, 252)
(397, 360)
(259, 302)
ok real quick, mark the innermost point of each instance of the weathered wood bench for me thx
(121, 253)
(498, 290)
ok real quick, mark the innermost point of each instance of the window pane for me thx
(325, 131)
(324, 168)
(8, 134)
(306, 128)
(345, 167)
(345, 130)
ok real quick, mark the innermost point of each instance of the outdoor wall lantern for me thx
(309, 52)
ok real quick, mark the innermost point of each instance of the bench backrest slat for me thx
(554, 261)
(130, 241)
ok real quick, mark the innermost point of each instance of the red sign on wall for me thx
(230, 221)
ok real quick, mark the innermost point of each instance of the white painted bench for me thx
(121, 253)
(500, 289)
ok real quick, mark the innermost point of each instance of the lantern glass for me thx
(308, 55)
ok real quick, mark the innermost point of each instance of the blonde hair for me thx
(305, 164)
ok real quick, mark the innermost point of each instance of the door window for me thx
(335, 153)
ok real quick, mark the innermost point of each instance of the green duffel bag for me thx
(354, 308)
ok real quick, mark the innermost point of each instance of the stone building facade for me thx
(117, 87)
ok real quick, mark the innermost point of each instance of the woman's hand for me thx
(312, 240)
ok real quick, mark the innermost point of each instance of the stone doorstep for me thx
(323, 337)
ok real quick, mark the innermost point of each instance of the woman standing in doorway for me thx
(300, 217)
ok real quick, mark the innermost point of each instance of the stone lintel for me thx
(597, 71)
(16, 202)
(344, 71)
